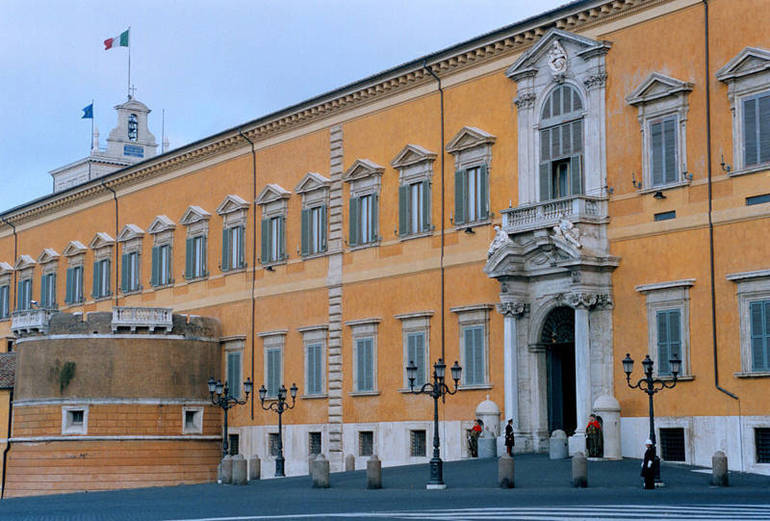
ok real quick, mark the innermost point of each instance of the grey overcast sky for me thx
(210, 64)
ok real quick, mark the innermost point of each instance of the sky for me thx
(209, 65)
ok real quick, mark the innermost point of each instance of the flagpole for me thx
(129, 62)
(91, 144)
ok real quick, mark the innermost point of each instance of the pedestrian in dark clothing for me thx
(648, 465)
(509, 441)
(473, 439)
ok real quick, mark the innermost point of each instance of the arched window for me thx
(561, 144)
(133, 128)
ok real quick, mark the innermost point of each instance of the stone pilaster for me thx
(511, 311)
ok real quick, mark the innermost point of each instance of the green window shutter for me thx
(545, 181)
(426, 209)
(281, 238)
(44, 292)
(68, 290)
(225, 265)
(52, 283)
(155, 272)
(576, 174)
(764, 128)
(416, 354)
(656, 153)
(470, 372)
(355, 218)
(403, 209)
(241, 246)
(307, 228)
(189, 256)
(760, 335)
(545, 145)
(107, 263)
(461, 196)
(484, 192)
(273, 371)
(324, 225)
(265, 241)
(664, 342)
(375, 217)
(478, 361)
(95, 289)
(124, 273)
(18, 295)
(669, 143)
(204, 255)
(750, 138)
(234, 373)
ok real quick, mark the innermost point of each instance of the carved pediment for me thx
(362, 168)
(130, 231)
(74, 248)
(101, 240)
(469, 137)
(232, 203)
(161, 223)
(412, 154)
(5, 268)
(750, 60)
(24, 262)
(193, 214)
(657, 86)
(312, 182)
(47, 255)
(272, 192)
(570, 43)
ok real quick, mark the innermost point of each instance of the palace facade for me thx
(534, 203)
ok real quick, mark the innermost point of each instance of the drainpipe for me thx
(115, 198)
(441, 151)
(8, 443)
(11, 298)
(253, 250)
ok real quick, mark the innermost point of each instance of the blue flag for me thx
(88, 112)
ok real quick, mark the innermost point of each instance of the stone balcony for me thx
(31, 321)
(134, 317)
(535, 216)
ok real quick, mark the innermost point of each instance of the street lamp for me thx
(279, 406)
(651, 385)
(436, 389)
(226, 401)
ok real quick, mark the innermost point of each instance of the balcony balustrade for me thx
(135, 317)
(31, 321)
(546, 214)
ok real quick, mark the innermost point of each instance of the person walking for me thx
(509, 441)
(648, 465)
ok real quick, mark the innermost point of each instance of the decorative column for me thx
(582, 303)
(511, 311)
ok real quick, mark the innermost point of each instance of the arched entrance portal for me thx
(558, 336)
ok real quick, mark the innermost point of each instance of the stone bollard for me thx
(240, 474)
(225, 470)
(374, 472)
(505, 471)
(557, 448)
(579, 470)
(255, 468)
(487, 445)
(719, 469)
(320, 472)
(350, 463)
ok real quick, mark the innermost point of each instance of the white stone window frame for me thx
(49, 265)
(662, 296)
(197, 427)
(234, 211)
(162, 231)
(746, 75)
(75, 253)
(130, 238)
(470, 316)
(271, 340)
(418, 322)
(102, 245)
(686, 424)
(658, 98)
(365, 178)
(312, 335)
(196, 222)
(274, 202)
(471, 148)
(750, 286)
(415, 165)
(750, 423)
(315, 189)
(233, 344)
(414, 427)
(25, 267)
(6, 276)
(67, 425)
(361, 329)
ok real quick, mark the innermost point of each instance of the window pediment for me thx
(161, 223)
(271, 193)
(47, 255)
(74, 248)
(232, 203)
(750, 60)
(24, 262)
(657, 86)
(5, 268)
(129, 232)
(101, 240)
(553, 49)
(362, 168)
(194, 214)
(411, 155)
(469, 137)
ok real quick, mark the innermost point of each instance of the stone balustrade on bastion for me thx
(533, 216)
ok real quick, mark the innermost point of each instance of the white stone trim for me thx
(107, 401)
(38, 439)
(415, 323)
(197, 427)
(130, 232)
(750, 286)
(24, 262)
(362, 329)
(473, 316)
(67, 425)
(313, 335)
(657, 286)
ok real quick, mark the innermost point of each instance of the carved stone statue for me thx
(567, 231)
(557, 58)
(500, 240)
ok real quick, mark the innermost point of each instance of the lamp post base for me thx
(435, 486)
(436, 474)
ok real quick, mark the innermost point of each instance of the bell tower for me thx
(131, 139)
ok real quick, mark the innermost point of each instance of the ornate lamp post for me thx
(651, 385)
(279, 406)
(436, 389)
(221, 397)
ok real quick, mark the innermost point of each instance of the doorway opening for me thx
(558, 336)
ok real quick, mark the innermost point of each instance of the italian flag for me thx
(118, 41)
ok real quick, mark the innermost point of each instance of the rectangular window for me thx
(760, 335)
(314, 443)
(273, 239)
(161, 265)
(232, 248)
(234, 373)
(24, 294)
(74, 420)
(417, 444)
(415, 351)
(665, 216)
(365, 364)
(234, 445)
(762, 443)
(313, 230)
(669, 323)
(314, 367)
(365, 443)
(192, 420)
(101, 286)
(414, 208)
(48, 291)
(663, 160)
(5, 310)
(363, 219)
(471, 195)
(672, 446)
(189, 419)
(758, 199)
(129, 273)
(273, 440)
(756, 130)
(561, 159)
(474, 370)
(195, 261)
(74, 289)
(274, 370)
